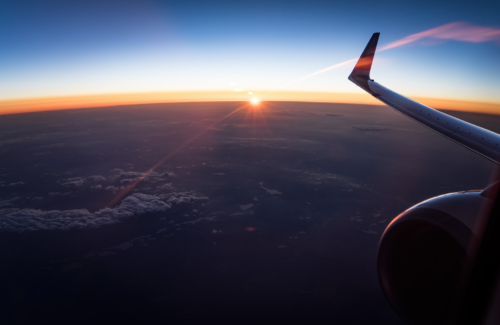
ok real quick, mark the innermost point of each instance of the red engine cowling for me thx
(421, 253)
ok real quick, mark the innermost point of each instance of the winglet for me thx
(361, 73)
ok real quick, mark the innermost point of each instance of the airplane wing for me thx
(473, 137)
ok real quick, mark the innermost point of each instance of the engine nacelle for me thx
(421, 253)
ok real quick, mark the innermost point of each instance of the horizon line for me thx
(53, 103)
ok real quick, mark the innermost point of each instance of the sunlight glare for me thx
(255, 101)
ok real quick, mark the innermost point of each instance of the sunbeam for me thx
(127, 189)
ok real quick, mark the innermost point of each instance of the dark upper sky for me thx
(52, 48)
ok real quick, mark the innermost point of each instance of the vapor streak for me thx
(322, 71)
(457, 31)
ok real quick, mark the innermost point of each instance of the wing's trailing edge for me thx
(473, 137)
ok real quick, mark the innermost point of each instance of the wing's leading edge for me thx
(473, 137)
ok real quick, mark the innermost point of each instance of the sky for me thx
(434, 49)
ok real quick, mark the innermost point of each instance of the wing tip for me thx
(361, 72)
(364, 64)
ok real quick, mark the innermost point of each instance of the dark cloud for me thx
(7, 203)
(14, 184)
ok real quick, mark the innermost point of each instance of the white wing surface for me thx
(473, 137)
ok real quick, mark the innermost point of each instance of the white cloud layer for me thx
(131, 176)
(184, 197)
(22, 220)
(73, 182)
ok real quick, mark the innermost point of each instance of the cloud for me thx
(193, 222)
(185, 197)
(23, 139)
(131, 176)
(30, 219)
(15, 184)
(97, 178)
(272, 192)
(246, 206)
(77, 182)
(6, 203)
(319, 178)
(73, 182)
(22, 220)
(167, 186)
(457, 31)
(140, 203)
(109, 215)
(118, 180)
(59, 193)
(127, 181)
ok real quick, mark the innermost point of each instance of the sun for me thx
(255, 101)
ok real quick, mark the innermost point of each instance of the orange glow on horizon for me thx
(26, 105)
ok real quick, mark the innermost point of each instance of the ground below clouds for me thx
(272, 214)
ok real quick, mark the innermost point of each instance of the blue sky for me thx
(53, 48)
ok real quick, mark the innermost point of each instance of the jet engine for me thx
(422, 251)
